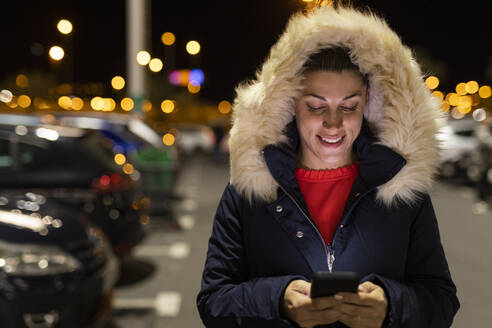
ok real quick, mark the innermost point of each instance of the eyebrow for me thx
(355, 94)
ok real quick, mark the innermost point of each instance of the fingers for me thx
(369, 295)
(367, 308)
(300, 286)
(321, 303)
(305, 311)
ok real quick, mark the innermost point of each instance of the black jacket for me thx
(257, 248)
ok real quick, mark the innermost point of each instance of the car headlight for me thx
(35, 260)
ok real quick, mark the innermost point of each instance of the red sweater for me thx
(326, 193)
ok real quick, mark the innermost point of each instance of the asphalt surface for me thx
(160, 283)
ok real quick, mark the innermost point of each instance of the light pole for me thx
(136, 13)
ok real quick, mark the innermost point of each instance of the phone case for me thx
(329, 283)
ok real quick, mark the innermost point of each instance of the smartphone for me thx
(326, 283)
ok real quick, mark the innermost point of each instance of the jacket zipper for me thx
(331, 256)
(329, 251)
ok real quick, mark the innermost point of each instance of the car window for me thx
(5, 155)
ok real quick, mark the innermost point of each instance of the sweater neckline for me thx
(338, 173)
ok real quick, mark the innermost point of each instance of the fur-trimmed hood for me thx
(401, 110)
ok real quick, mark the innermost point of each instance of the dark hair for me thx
(333, 59)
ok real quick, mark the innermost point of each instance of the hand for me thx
(366, 309)
(308, 312)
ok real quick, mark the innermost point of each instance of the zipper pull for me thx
(331, 257)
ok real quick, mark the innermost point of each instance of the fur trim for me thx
(401, 110)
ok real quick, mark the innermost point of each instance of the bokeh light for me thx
(22, 81)
(127, 104)
(64, 26)
(24, 101)
(471, 87)
(432, 82)
(56, 53)
(120, 159)
(143, 57)
(6, 96)
(196, 77)
(485, 91)
(155, 65)
(461, 89)
(168, 139)
(193, 47)
(168, 38)
(109, 104)
(118, 82)
(128, 168)
(97, 103)
(225, 107)
(479, 114)
(452, 98)
(65, 102)
(167, 106)
(77, 103)
(465, 104)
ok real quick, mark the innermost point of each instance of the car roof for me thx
(88, 121)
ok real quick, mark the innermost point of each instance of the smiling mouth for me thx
(331, 140)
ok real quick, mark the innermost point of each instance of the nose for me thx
(332, 119)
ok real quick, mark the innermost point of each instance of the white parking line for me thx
(165, 304)
(186, 221)
(178, 250)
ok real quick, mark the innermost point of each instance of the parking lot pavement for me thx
(466, 233)
(163, 277)
(161, 281)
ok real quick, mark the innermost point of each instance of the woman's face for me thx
(329, 117)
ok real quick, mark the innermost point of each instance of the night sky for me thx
(235, 36)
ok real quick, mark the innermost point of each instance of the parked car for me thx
(459, 145)
(157, 164)
(76, 166)
(142, 146)
(57, 268)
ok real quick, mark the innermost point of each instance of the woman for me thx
(313, 189)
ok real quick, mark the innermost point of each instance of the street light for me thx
(193, 47)
(155, 65)
(143, 57)
(168, 38)
(64, 26)
(56, 53)
(118, 82)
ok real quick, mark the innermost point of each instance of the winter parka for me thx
(263, 236)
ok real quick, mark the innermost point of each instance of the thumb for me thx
(366, 287)
(302, 286)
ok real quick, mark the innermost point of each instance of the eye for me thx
(349, 109)
(315, 109)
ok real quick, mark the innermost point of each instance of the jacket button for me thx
(279, 209)
(357, 194)
(299, 234)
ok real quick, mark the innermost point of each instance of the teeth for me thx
(331, 140)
